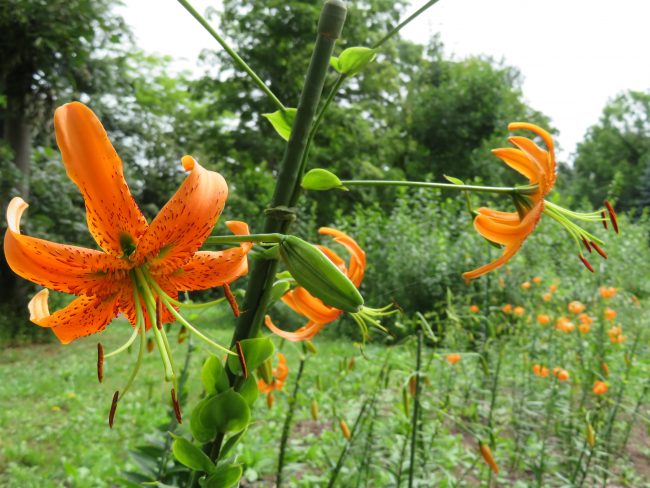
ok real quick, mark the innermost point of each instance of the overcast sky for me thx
(574, 54)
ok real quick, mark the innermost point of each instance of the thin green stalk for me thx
(542, 454)
(416, 404)
(524, 190)
(286, 429)
(273, 238)
(279, 221)
(403, 24)
(235, 57)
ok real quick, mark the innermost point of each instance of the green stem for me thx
(416, 405)
(542, 454)
(259, 238)
(525, 189)
(286, 429)
(235, 57)
(263, 273)
(403, 24)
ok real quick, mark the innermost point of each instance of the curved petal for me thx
(185, 221)
(511, 218)
(69, 269)
(82, 317)
(506, 232)
(114, 219)
(304, 333)
(508, 253)
(311, 307)
(546, 137)
(357, 266)
(543, 158)
(335, 258)
(208, 269)
(520, 162)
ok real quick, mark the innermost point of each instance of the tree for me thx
(615, 155)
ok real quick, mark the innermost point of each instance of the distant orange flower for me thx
(564, 324)
(280, 374)
(600, 388)
(537, 280)
(552, 288)
(561, 374)
(576, 307)
(303, 303)
(453, 358)
(474, 308)
(610, 314)
(607, 291)
(519, 311)
(541, 371)
(584, 328)
(526, 285)
(605, 369)
(616, 335)
(585, 319)
(543, 319)
(507, 308)
(547, 297)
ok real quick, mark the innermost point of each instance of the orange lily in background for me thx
(280, 374)
(142, 266)
(511, 229)
(303, 303)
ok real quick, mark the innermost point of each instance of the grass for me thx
(53, 413)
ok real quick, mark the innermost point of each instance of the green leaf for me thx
(282, 121)
(201, 430)
(213, 376)
(231, 442)
(249, 390)
(278, 290)
(352, 60)
(256, 351)
(453, 180)
(225, 476)
(191, 456)
(226, 412)
(320, 179)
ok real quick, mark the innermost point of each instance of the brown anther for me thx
(177, 407)
(100, 362)
(149, 344)
(158, 313)
(182, 334)
(604, 221)
(242, 359)
(586, 243)
(231, 299)
(599, 250)
(586, 263)
(612, 216)
(111, 414)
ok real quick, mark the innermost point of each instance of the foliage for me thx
(614, 158)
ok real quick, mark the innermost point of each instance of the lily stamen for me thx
(111, 413)
(100, 362)
(124, 346)
(231, 300)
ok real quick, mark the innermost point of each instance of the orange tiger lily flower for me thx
(166, 250)
(511, 229)
(305, 304)
(142, 266)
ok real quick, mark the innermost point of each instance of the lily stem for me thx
(235, 57)
(525, 190)
(273, 238)
(403, 24)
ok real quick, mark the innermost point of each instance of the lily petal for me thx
(304, 333)
(311, 307)
(185, 221)
(69, 269)
(82, 317)
(208, 269)
(114, 219)
(357, 266)
(520, 162)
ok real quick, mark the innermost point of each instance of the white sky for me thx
(574, 54)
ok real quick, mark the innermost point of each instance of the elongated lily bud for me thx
(412, 385)
(486, 453)
(311, 347)
(591, 436)
(314, 410)
(406, 401)
(319, 276)
(345, 429)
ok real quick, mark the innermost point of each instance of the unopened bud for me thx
(265, 371)
(314, 410)
(321, 180)
(591, 436)
(310, 347)
(345, 429)
(319, 276)
(486, 453)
